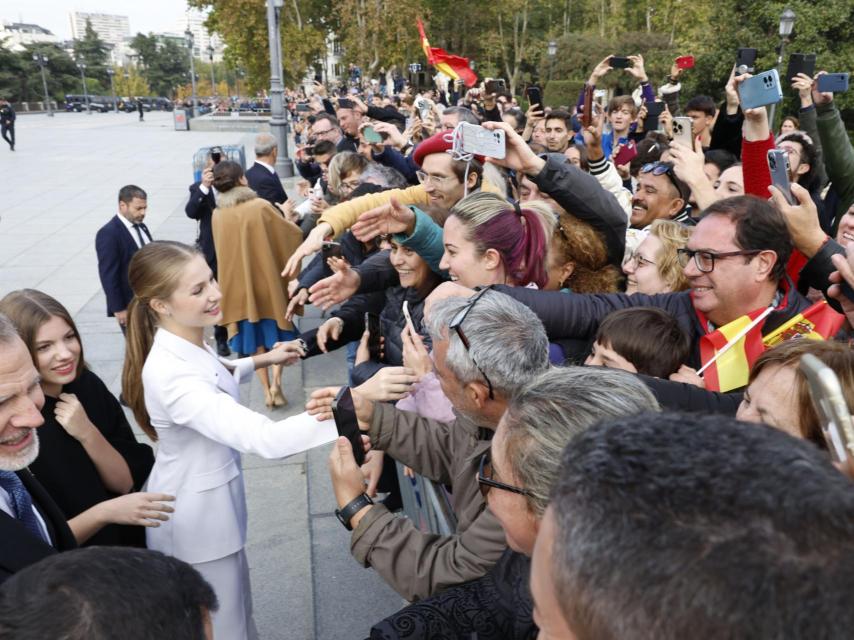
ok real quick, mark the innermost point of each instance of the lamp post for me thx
(552, 51)
(82, 68)
(188, 35)
(278, 123)
(41, 60)
(111, 72)
(213, 78)
(787, 23)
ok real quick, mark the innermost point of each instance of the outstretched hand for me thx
(389, 218)
(518, 155)
(335, 289)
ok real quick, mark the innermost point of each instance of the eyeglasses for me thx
(348, 186)
(705, 260)
(456, 325)
(663, 169)
(640, 261)
(439, 181)
(323, 133)
(485, 481)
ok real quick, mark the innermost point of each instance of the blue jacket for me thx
(115, 247)
(267, 185)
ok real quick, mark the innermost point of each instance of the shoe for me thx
(222, 349)
(268, 398)
(279, 399)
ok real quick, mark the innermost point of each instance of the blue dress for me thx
(264, 333)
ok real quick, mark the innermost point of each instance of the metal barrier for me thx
(235, 153)
(427, 504)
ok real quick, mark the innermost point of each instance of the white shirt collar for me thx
(268, 167)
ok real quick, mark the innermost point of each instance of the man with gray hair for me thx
(262, 176)
(471, 342)
(31, 525)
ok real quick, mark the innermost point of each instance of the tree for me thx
(94, 53)
(164, 62)
(130, 82)
(379, 33)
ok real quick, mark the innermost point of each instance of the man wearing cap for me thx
(659, 195)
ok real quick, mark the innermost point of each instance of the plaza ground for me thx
(58, 188)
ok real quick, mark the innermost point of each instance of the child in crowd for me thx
(640, 340)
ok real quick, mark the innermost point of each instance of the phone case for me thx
(832, 83)
(829, 402)
(683, 131)
(653, 110)
(778, 165)
(619, 62)
(478, 141)
(745, 58)
(760, 90)
(800, 63)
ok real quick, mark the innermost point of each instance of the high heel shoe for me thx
(268, 398)
(279, 399)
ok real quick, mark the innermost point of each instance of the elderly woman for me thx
(778, 395)
(516, 476)
(653, 267)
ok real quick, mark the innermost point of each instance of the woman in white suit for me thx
(187, 400)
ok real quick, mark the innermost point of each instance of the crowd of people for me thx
(593, 343)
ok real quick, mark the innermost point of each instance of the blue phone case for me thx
(832, 83)
(760, 90)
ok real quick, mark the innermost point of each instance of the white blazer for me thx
(193, 404)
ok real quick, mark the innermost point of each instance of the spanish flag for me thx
(732, 369)
(455, 67)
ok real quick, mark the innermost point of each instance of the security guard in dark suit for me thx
(7, 122)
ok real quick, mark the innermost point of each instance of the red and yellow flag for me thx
(455, 67)
(732, 369)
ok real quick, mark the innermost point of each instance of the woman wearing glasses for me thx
(654, 266)
(516, 477)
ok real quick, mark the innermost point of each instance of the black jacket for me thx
(679, 396)
(816, 272)
(582, 196)
(115, 247)
(497, 606)
(577, 315)
(200, 207)
(20, 548)
(267, 185)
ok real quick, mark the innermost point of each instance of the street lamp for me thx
(787, 23)
(188, 35)
(82, 68)
(111, 72)
(552, 51)
(278, 123)
(41, 60)
(213, 78)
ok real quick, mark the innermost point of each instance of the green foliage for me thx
(562, 93)
(94, 53)
(165, 63)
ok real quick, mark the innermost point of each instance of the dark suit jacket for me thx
(200, 207)
(267, 185)
(115, 247)
(20, 549)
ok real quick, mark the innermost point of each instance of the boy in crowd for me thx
(640, 340)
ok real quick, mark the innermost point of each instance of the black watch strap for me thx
(350, 509)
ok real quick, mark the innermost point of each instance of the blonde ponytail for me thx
(154, 272)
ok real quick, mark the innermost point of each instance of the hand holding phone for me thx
(535, 96)
(683, 131)
(474, 139)
(685, 62)
(778, 165)
(344, 414)
(587, 111)
(620, 62)
(760, 90)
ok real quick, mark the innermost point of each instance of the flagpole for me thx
(735, 340)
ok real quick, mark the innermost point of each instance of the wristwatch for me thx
(350, 509)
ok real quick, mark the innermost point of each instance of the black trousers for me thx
(8, 133)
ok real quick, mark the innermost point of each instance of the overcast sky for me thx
(145, 16)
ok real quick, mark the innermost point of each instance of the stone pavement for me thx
(58, 188)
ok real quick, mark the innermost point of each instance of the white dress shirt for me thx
(129, 226)
(268, 167)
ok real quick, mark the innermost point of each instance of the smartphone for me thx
(372, 323)
(778, 165)
(628, 151)
(760, 90)
(832, 83)
(653, 110)
(685, 62)
(683, 131)
(328, 250)
(800, 63)
(745, 59)
(344, 413)
(423, 108)
(618, 62)
(495, 86)
(407, 316)
(479, 141)
(303, 107)
(216, 154)
(535, 96)
(371, 135)
(831, 407)
(587, 111)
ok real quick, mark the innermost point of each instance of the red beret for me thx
(437, 143)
